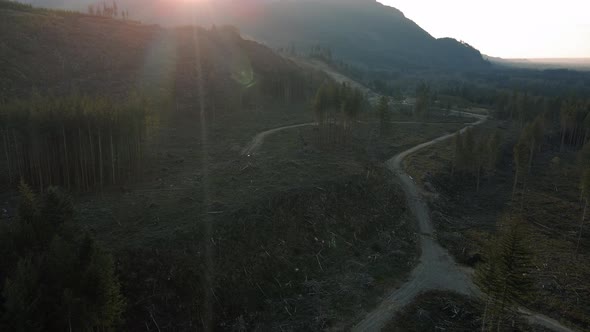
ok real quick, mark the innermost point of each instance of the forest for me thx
(190, 178)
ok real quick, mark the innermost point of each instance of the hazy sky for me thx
(507, 28)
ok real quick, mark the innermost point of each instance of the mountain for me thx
(362, 32)
(61, 53)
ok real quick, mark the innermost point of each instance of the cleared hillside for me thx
(363, 32)
(63, 53)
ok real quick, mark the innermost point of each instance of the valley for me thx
(287, 171)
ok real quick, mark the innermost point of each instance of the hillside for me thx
(59, 53)
(363, 32)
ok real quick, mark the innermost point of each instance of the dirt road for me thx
(437, 269)
(257, 141)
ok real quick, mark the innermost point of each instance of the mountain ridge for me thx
(366, 33)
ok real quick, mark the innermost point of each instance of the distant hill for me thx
(63, 53)
(363, 32)
(360, 31)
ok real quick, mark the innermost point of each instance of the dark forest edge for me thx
(54, 276)
(80, 143)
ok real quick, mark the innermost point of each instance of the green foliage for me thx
(55, 280)
(336, 106)
(494, 145)
(584, 157)
(476, 154)
(321, 103)
(424, 99)
(505, 274)
(78, 142)
(574, 123)
(585, 184)
(384, 114)
(15, 5)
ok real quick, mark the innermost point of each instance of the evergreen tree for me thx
(68, 141)
(504, 276)
(384, 116)
(458, 160)
(59, 280)
(521, 156)
(423, 100)
(494, 145)
(585, 189)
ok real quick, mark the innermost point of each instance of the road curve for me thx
(437, 269)
(257, 141)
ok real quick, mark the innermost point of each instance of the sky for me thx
(507, 28)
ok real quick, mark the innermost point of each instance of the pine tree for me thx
(514, 265)
(59, 141)
(480, 156)
(423, 100)
(60, 281)
(487, 278)
(494, 145)
(585, 189)
(384, 115)
(458, 160)
(320, 108)
(504, 276)
(521, 156)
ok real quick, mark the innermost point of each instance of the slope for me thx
(364, 32)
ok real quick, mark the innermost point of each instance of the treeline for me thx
(321, 53)
(52, 276)
(425, 97)
(575, 123)
(107, 10)
(476, 154)
(556, 128)
(287, 87)
(574, 133)
(76, 142)
(336, 108)
(14, 5)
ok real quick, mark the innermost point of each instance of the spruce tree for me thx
(585, 195)
(60, 280)
(504, 275)
(458, 160)
(384, 115)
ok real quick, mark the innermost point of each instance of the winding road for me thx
(257, 141)
(437, 269)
